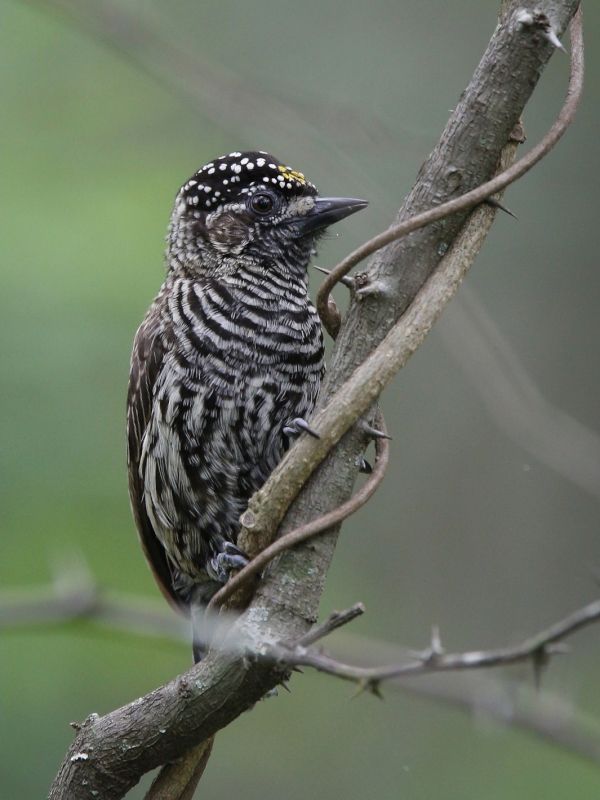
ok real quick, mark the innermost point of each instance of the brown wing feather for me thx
(146, 361)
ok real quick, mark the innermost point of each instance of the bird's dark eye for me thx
(262, 203)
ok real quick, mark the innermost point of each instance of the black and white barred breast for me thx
(242, 359)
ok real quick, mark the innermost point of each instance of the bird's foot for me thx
(230, 558)
(299, 426)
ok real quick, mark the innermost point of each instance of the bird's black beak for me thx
(325, 212)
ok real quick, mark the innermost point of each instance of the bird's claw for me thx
(230, 558)
(299, 426)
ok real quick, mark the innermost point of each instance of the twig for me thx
(305, 532)
(49, 604)
(75, 595)
(481, 193)
(335, 621)
(177, 781)
(537, 649)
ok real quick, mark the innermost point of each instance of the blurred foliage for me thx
(468, 531)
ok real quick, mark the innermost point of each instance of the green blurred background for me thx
(474, 529)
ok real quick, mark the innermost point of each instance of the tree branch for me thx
(335, 621)
(178, 780)
(538, 649)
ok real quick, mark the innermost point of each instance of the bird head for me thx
(249, 207)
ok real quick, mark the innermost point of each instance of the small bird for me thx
(226, 366)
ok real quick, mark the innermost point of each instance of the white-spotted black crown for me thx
(234, 177)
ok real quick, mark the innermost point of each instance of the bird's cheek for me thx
(228, 247)
(228, 234)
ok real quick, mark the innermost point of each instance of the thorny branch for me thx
(538, 649)
(335, 621)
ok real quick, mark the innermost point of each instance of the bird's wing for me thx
(146, 362)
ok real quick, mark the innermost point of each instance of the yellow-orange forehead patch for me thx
(291, 174)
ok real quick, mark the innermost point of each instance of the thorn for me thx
(364, 466)
(368, 685)
(361, 686)
(376, 690)
(297, 669)
(373, 433)
(347, 280)
(434, 651)
(285, 686)
(550, 35)
(436, 641)
(539, 659)
(542, 23)
(491, 201)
